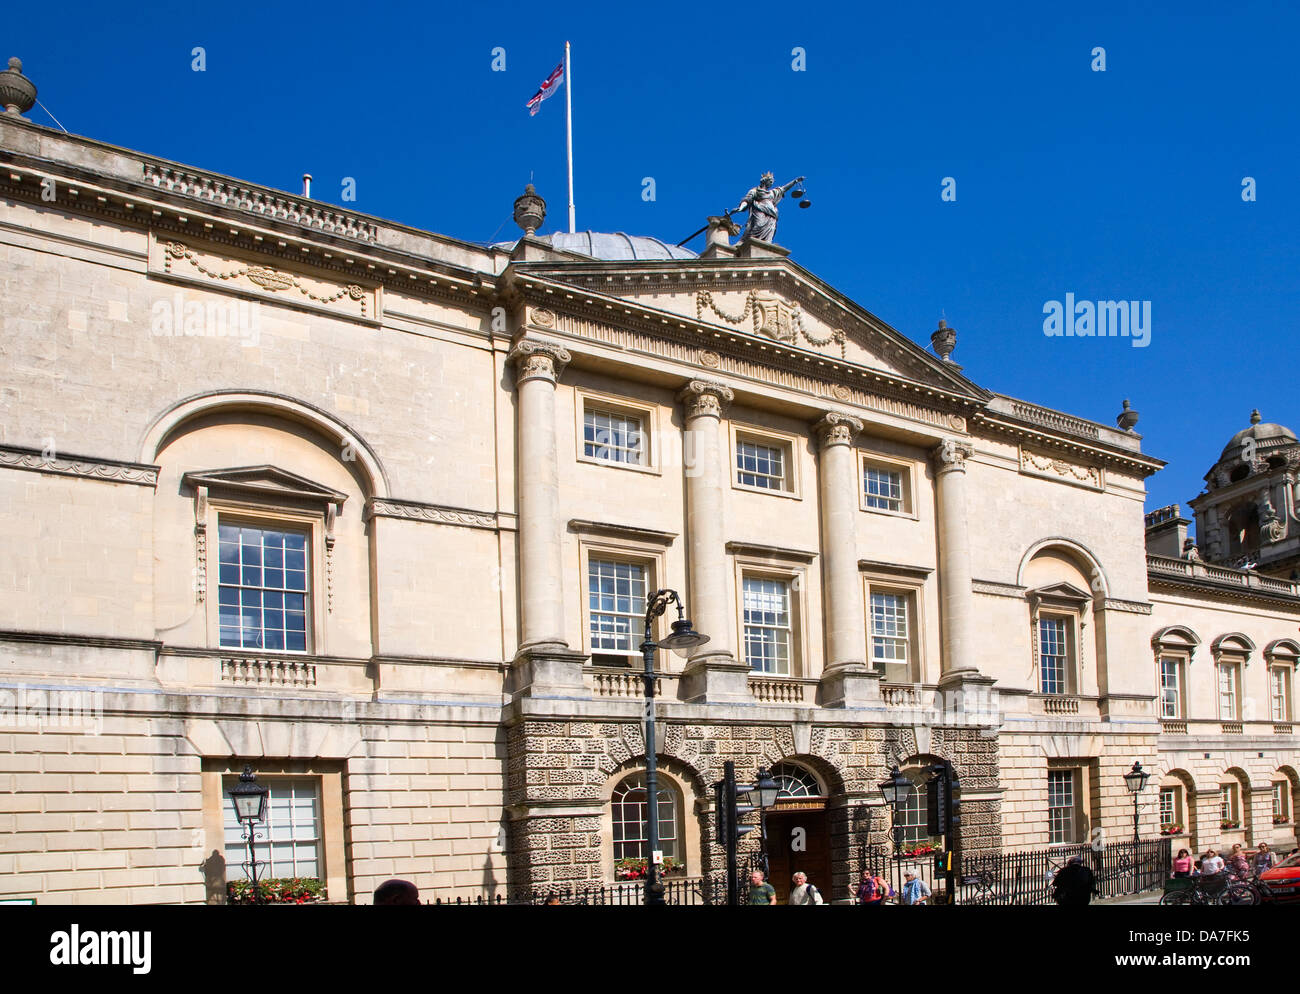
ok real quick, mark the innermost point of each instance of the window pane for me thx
(768, 630)
(1060, 806)
(612, 437)
(251, 597)
(760, 465)
(616, 594)
(883, 488)
(1052, 655)
(291, 830)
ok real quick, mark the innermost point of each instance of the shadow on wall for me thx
(214, 878)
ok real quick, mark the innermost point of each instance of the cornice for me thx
(1059, 440)
(146, 208)
(86, 467)
(1220, 590)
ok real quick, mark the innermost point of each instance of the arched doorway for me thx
(798, 831)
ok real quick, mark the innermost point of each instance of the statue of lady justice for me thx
(761, 203)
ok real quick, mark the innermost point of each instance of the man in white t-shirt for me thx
(803, 892)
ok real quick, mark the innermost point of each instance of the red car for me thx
(1283, 881)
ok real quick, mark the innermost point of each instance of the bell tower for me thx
(1248, 516)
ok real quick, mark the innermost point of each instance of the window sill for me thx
(788, 494)
(904, 515)
(651, 470)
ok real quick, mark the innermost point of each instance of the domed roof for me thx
(1266, 435)
(612, 246)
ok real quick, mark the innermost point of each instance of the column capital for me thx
(835, 428)
(950, 456)
(538, 359)
(705, 398)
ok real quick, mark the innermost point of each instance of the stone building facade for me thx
(373, 510)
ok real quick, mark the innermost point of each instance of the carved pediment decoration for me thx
(1040, 464)
(262, 485)
(770, 316)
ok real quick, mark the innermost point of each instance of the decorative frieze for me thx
(1056, 468)
(206, 265)
(772, 317)
(110, 470)
(391, 507)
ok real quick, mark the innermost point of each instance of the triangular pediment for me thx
(772, 304)
(1061, 592)
(267, 482)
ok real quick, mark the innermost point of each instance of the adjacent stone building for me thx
(376, 511)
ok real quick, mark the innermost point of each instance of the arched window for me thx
(795, 781)
(911, 813)
(630, 826)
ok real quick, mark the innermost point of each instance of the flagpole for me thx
(568, 114)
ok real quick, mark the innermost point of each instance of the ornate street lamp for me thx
(249, 799)
(683, 637)
(1136, 779)
(763, 796)
(896, 790)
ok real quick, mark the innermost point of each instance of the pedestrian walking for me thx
(1183, 863)
(915, 890)
(803, 892)
(1074, 885)
(869, 894)
(760, 892)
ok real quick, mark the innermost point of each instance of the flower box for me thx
(1280, 819)
(1229, 824)
(635, 869)
(1171, 829)
(277, 890)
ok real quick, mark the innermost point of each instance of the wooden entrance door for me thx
(799, 839)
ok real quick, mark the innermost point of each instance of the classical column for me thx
(845, 621)
(549, 664)
(846, 680)
(712, 673)
(957, 600)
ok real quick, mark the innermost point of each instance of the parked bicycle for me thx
(1217, 889)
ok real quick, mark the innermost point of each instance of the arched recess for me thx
(1065, 588)
(1289, 780)
(1185, 808)
(276, 405)
(257, 474)
(1239, 778)
(676, 784)
(1089, 564)
(1233, 642)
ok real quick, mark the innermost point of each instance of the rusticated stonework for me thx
(560, 772)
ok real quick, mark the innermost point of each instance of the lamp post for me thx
(249, 799)
(763, 796)
(896, 790)
(1135, 779)
(683, 637)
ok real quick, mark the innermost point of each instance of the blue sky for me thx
(1123, 184)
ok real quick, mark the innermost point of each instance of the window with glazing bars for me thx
(768, 628)
(1227, 692)
(630, 812)
(1170, 701)
(262, 588)
(759, 465)
(615, 605)
(1060, 806)
(612, 437)
(1280, 678)
(1053, 655)
(883, 488)
(290, 836)
(889, 629)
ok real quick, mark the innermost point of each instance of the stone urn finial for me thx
(1254, 417)
(17, 92)
(530, 210)
(1128, 418)
(943, 340)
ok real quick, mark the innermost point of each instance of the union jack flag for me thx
(548, 87)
